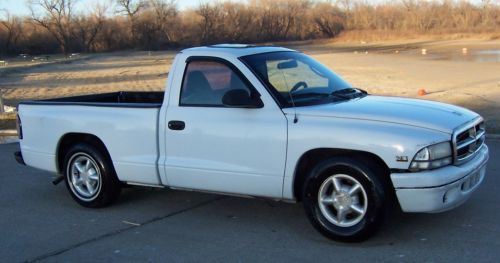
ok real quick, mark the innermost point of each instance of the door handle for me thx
(176, 125)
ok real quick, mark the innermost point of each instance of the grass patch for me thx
(7, 121)
(7, 124)
(8, 116)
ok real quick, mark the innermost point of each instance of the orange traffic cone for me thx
(422, 92)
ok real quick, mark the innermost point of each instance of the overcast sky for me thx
(19, 7)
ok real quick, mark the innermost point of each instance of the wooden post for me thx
(1, 102)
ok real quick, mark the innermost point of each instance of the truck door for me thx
(213, 147)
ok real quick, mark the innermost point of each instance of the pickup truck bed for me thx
(114, 99)
(129, 119)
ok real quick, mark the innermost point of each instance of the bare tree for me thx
(166, 14)
(238, 22)
(211, 21)
(57, 19)
(344, 4)
(329, 19)
(131, 8)
(154, 24)
(225, 22)
(277, 18)
(114, 35)
(88, 26)
(13, 27)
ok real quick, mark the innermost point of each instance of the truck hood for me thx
(414, 112)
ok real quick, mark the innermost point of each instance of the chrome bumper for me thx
(441, 189)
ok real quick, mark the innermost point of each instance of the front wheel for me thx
(90, 177)
(344, 199)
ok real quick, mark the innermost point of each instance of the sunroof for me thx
(232, 46)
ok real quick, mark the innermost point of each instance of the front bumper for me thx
(441, 189)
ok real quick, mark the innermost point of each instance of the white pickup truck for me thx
(265, 122)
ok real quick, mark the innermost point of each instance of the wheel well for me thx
(309, 159)
(71, 139)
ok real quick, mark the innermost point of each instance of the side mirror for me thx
(239, 98)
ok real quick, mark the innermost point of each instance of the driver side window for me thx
(206, 82)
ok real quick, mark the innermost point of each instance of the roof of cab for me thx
(234, 50)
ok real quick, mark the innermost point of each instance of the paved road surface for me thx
(40, 222)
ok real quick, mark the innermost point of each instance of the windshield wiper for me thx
(342, 93)
(348, 93)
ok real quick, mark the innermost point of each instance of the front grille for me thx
(468, 140)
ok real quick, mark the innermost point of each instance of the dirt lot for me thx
(95, 73)
(470, 78)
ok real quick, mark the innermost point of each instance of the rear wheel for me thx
(344, 199)
(90, 177)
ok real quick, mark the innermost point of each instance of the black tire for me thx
(353, 226)
(95, 164)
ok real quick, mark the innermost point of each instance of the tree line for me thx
(55, 26)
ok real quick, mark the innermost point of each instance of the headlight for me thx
(432, 157)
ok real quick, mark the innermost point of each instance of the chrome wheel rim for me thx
(84, 176)
(342, 200)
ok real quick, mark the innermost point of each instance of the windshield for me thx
(299, 80)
